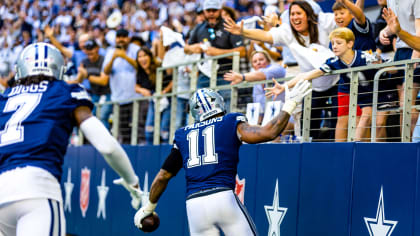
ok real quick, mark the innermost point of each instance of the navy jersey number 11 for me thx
(210, 151)
(210, 155)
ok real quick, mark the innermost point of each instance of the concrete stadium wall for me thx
(323, 189)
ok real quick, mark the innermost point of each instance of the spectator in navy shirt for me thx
(347, 14)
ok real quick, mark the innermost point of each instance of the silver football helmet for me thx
(40, 59)
(205, 103)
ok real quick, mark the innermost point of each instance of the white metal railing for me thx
(406, 65)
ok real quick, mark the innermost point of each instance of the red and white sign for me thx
(240, 188)
(84, 190)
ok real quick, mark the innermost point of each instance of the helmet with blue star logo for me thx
(206, 103)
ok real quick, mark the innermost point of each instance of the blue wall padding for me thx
(328, 189)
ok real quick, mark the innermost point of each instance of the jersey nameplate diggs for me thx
(33, 88)
(204, 123)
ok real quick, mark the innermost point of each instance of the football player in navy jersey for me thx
(37, 115)
(342, 40)
(208, 151)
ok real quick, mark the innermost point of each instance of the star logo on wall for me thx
(102, 193)
(379, 226)
(68, 188)
(275, 214)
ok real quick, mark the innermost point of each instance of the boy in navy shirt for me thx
(347, 14)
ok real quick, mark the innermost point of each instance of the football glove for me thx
(135, 192)
(296, 95)
(145, 211)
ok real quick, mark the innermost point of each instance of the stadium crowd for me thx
(113, 48)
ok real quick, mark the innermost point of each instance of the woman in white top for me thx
(305, 28)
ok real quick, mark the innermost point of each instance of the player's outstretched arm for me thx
(112, 151)
(256, 134)
(170, 168)
(158, 187)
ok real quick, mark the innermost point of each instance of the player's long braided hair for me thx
(312, 23)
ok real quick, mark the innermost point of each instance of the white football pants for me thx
(34, 217)
(209, 214)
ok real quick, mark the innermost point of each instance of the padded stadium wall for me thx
(355, 189)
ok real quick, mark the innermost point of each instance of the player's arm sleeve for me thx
(114, 154)
(173, 162)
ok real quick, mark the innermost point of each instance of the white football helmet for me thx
(205, 103)
(40, 59)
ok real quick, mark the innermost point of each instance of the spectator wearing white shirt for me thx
(288, 58)
(408, 13)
